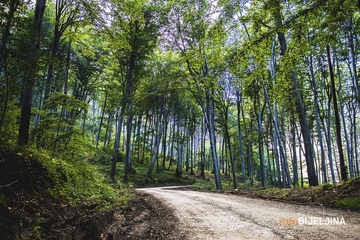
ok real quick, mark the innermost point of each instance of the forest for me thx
(98, 97)
(265, 92)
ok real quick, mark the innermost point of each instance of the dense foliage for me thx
(263, 91)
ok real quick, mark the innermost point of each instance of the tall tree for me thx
(343, 167)
(134, 33)
(31, 75)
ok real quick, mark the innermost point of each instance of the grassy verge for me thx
(39, 191)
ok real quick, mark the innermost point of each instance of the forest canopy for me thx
(263, 91)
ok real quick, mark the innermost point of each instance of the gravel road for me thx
(206, 215)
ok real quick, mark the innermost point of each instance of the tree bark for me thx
(117, 141)
(227, 136)
(101, 119)
(343, 168)
(318, 126)
(159, 127)
(24, 128)
(300, 110)
(242, 158)
(6, 34)
(211, 128)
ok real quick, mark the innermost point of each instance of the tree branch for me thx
(9, 184)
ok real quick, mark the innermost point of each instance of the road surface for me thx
(206, 215)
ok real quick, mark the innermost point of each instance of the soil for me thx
(28, 212)
(209, 215)
(144, 217)
(163, 213)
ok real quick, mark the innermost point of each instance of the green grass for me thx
(160, 176)
(73, 179)
(350, 203)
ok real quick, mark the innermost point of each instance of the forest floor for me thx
(179, 213)
(160, 213)
(224, 215)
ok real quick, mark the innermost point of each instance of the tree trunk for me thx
(354, 61)
(294, 161)
(211, 128)
(242, 158)
(164, 145)
(318, 127)
(227, 136)
(343, 167)
(172, 137)
(117, 141)
(202, 152)
(328, 140)
(287, 177)
(300, 110)
(192, 154)
(101, 119)
(260, 139)
(159, 127)
(108, 131)
(24, 128)
(4, 54)
(128, 168)
(178, 172)
(145, 138)
(342, 112)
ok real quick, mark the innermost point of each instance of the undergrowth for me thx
(36, 186)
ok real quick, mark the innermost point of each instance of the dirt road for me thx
(223, 216)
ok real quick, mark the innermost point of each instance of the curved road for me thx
(221, 216)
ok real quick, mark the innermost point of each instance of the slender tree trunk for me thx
(242, 158)
(354, 138)
(276, 152)
(117, 141)
(101, 119)
(145, 138)
(128, 168)
(343, 167)
(202, 153)
(178, 172)
(249, 162)
(222, 156)
(328, 140)
(301, 164)
(227, 136)
(67, 68)
(294, 161)
(172, 137)
(186, 136)
(159, 127)
(342, 112)
(211, 128)
(24, 128)
(318, 127)
(300, 110)
(192, 154)
(7, 32)
(279, 157)
(164, 145)
(354, 61)
(4, 54)
(54, 49)
(287, 177)
(108, 131)
(138, 136)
